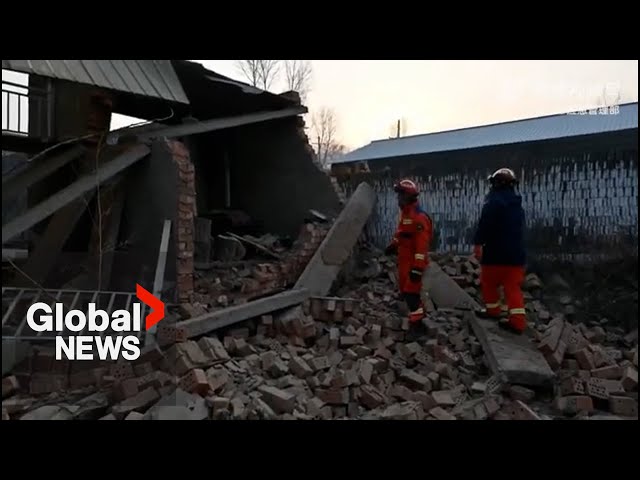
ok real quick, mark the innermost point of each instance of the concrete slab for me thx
(513, 358)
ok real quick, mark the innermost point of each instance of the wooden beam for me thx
(72, 192)
(37, 171)
(218, 124)
(228, 316)
(49, 246)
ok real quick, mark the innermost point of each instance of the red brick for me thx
(572, 386)
(585, 359)
(576, 342)
(10, 385)
(370, 397)
(625, 406)
(634, 360)
(584, 375)
(611, 372)
(279, 400)
(440, 413)
(574, 404)
(425, 399)
(518, 392)
(401, 392)
(522, 411)
(492, 406)
(555, 359)
(570, 364)
(121, 371)
(415, 380)
(614, 387)
(630, 379)
(42, 383)
(195, 382)
(125, 389)
(334, 396)
(596, 389)
(443, 398)
(551, 337)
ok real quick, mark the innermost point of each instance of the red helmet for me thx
(407, 187)
(503, 176)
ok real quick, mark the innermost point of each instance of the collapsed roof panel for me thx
(151, 78)
(213, 95)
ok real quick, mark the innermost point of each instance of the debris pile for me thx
(595, 362)
(344, 357)
(221, 284)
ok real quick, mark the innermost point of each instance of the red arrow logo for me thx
(156, 305)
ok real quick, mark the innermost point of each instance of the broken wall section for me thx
(159, 189)
(274, 177)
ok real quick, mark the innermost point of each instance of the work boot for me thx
(415, 332)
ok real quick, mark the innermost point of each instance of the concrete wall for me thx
(152, 196)
(580, 196)
(272, 174)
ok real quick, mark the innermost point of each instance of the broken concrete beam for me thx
(238, 313)
(511, 357)
(335, 249)
(445, 292)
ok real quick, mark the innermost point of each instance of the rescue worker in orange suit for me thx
(411, 242)
(499, 246)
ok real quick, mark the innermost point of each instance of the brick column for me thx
(183, 228)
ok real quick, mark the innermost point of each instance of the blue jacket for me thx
(501, 229)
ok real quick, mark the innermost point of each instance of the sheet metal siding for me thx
(152, 78)
(581, 204)
(544, 128)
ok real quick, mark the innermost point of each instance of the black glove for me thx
(415, 275)
(391, 249)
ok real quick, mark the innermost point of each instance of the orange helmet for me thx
(407, 187)
(502, 177)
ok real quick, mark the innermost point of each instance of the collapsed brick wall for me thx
(580, 199)
(274, 177)
(184, 225)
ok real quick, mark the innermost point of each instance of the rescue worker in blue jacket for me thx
(499, 246)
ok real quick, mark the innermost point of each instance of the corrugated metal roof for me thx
(151, 78)
(528, 130)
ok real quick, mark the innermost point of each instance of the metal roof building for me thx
(518, 131)
(149, 78)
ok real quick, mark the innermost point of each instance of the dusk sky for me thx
(368, 96)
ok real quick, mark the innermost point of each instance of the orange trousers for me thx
(510, 278)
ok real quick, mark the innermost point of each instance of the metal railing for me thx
(16, 301)
(19, 102)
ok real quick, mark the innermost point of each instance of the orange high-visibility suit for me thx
(412, 240)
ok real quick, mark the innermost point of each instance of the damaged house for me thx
(221, 172)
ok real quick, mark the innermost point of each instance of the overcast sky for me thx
(369, 96)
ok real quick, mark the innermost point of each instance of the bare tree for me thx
(250, 70)
(259, 73)
(324, 125)
(298, 76)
